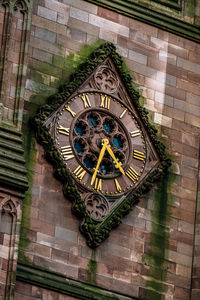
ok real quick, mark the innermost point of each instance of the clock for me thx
(96, 133)
(101, 142)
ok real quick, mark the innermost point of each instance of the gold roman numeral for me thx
(86, 101)
(135, 133)
(123, 113)
(67, 152)
(132, 174)
(105, 102)
(98, 184)
(69, 110)
(138, 155)
(63, 130)
(118, 186)
(79, 172)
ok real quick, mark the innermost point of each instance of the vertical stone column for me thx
(10, 208)
(15, 19)
(14, 35)
(195, 293)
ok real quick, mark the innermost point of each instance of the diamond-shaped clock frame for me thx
(86, 80)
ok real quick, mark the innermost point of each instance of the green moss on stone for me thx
(30, 155)
(190, 7)
(92, 269)
(157, 256)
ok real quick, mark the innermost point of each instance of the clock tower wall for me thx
(154, 252)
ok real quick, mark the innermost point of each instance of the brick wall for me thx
(167, 69)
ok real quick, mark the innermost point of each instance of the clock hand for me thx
(104, 142)
(116, 160)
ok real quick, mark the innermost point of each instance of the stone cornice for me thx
(153, 17)
(59, 283)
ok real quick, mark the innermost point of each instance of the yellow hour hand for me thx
(104, 142)
(118, 164)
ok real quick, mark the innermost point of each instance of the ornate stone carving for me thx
(106, 79)
(97, 206)
(21, 5)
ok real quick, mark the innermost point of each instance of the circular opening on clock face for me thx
(92, 129)
(93, 120)
(108, 125)
(80, 128)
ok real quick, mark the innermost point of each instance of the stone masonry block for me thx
(183, 271)
(45, 34)
(178, 51)
(193, 109)
(107, 35)
(62, 19)
(39, 87)
(114, 27)
(158, 43)
(190, 161)
(194, 77)
(162, 66)
(47, 13)
(179, 258)
(79, 14)
(49, 25)
(66, 234)
(166, 78)
(91, 8)
(164, 99)
(108, 14)
(194, 56)
(69, 271)
(162, 120)
(139, 58)
(167, 57)
(141, 68)
(47, 46)
(116, 250)
(140, 26)
(122, 51)
(139, 37)
(179, 104)
(42, 55)
(78, 24)
(191, 140)
(188, 65)
(184, 249)
(189, 172)
(57, 6)
(192, 120)
(76, 35)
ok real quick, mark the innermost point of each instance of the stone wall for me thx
(151, 253)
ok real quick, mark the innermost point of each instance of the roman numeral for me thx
(132, 174)
(105, 102)
(118, 186)
(86, 101)
(69, 110)
(67, 152)
(98, 184)
(63, 130)
(79, 172)
(135, 133)
(138, 155)
(123, 113)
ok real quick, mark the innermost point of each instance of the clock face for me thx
(102, 143)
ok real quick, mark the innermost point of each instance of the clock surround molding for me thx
(95, 232)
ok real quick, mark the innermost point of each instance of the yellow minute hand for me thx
(118, 165)
(104, 142)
